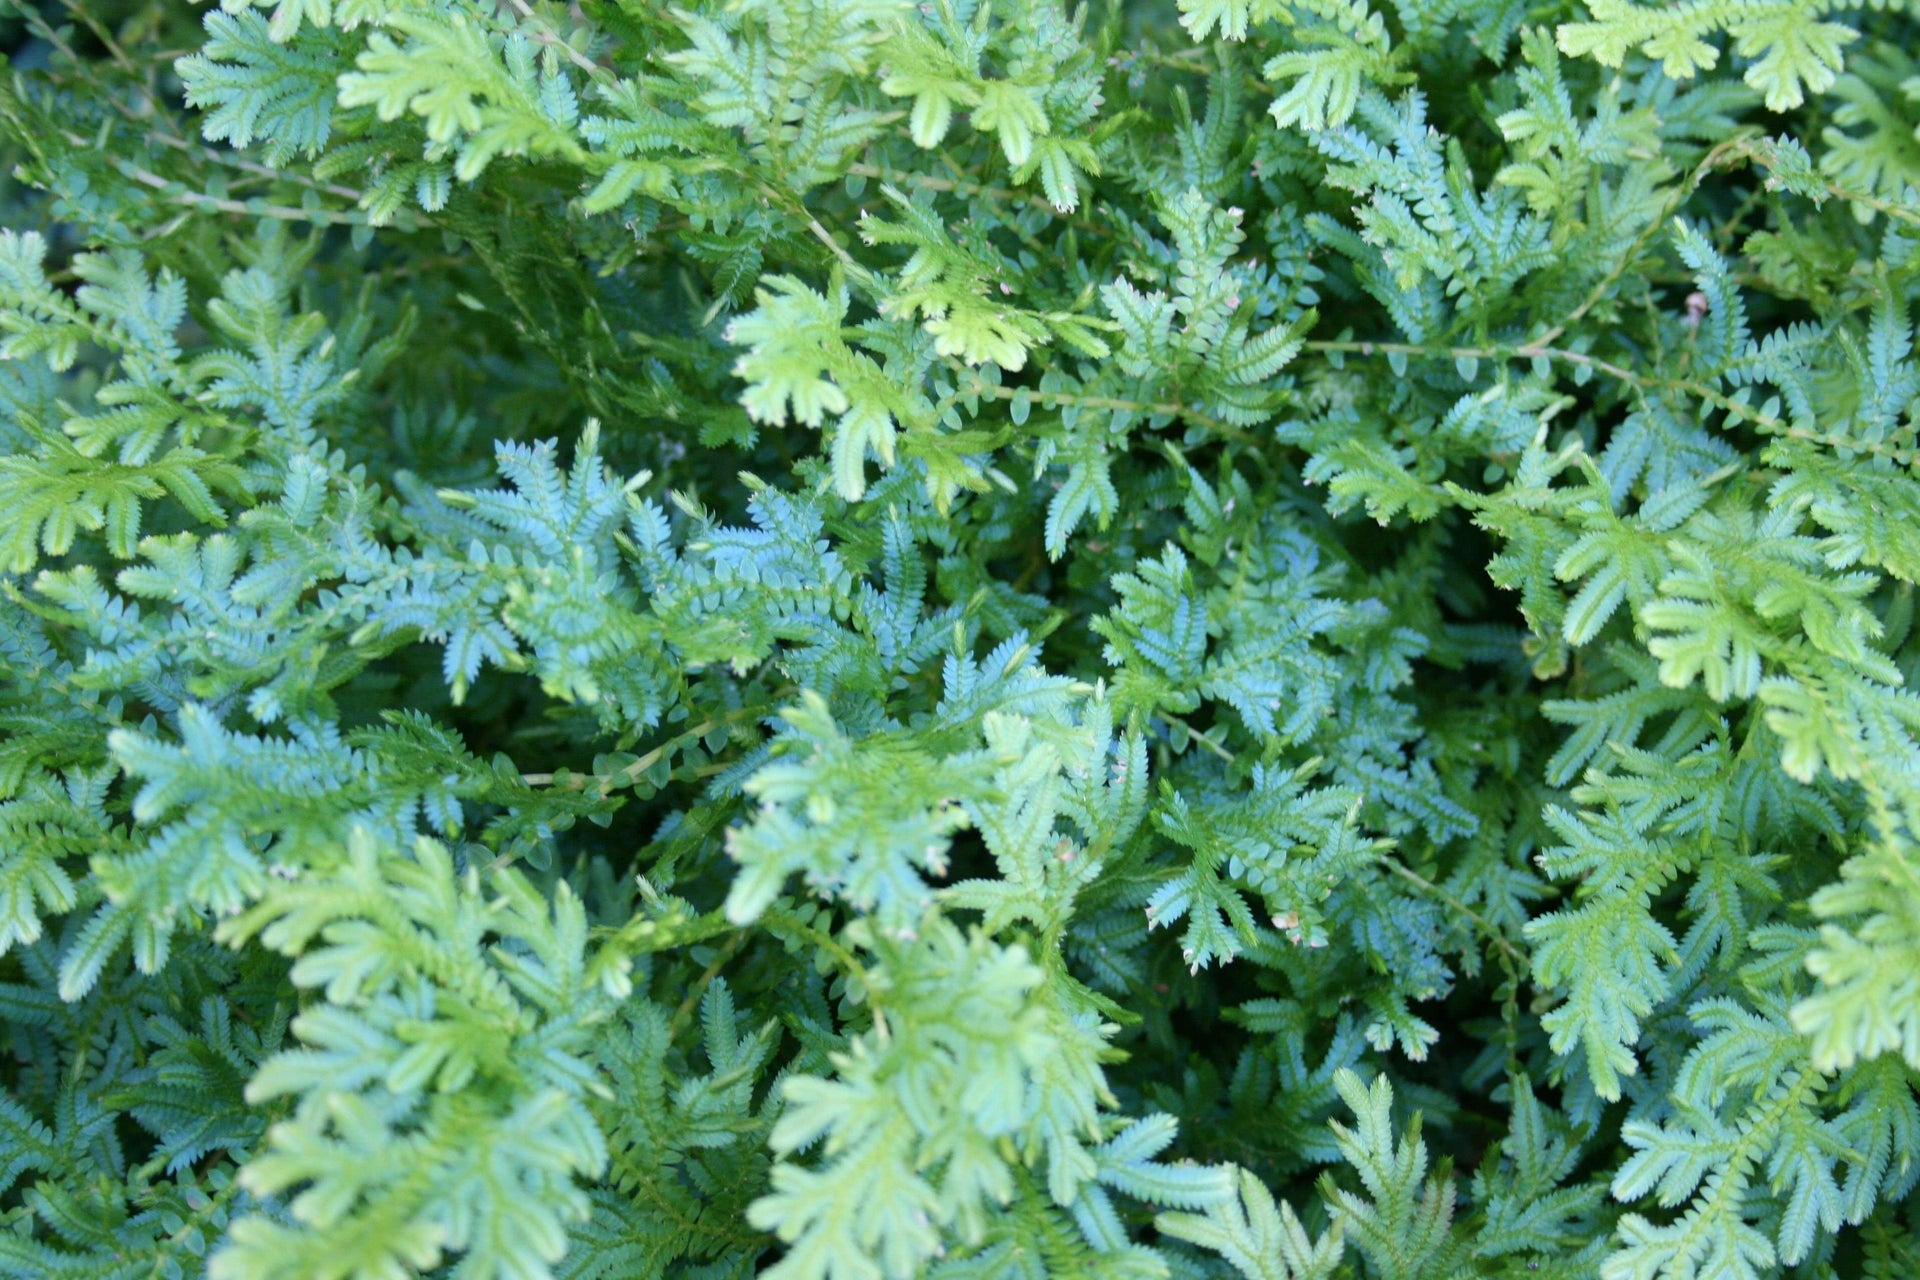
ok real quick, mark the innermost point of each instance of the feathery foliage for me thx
(856, 639)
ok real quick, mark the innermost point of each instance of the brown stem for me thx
(1534, 351)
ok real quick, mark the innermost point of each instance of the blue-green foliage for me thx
(855, 639)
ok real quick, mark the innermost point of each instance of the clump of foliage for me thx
(858, 639)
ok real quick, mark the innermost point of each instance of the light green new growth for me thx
(982, 640)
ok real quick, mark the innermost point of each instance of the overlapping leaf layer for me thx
(857, 639)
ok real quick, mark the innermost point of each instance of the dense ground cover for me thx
(863, 639)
